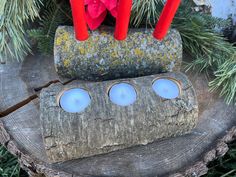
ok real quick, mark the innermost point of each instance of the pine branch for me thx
(14, 16)
(145, 12)
(211, 52)
(53, 15)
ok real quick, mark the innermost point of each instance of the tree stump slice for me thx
(24, 80)
(105, 127)
(10, 82)
(186, 155)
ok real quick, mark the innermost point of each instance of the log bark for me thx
(103, 58)
(186, 155)
(104, 127)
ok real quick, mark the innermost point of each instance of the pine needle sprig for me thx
(9, 165)
(14, 17)
(53, 15)
(226, 80)
(210, 51)
(145, 12)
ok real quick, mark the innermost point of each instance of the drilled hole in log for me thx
(74, 100)
(167, 88)
(122, 94)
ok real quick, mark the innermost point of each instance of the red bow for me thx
(96, 11)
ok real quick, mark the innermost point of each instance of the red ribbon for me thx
(80, 25)
(166, 19)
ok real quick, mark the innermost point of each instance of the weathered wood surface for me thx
(38, 72)
(20, 82)
(105, 127)
(10, 82)
(182, 156)
(101, 57)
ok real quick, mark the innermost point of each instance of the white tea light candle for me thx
(166, 88)
(123, 94)
(75, 100)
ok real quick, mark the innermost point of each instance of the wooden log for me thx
(182, 152)
(103, 58)
(104, 126)
(186, 155)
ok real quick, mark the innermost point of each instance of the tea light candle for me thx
(75, 100)
(166, 88)
(123, 94)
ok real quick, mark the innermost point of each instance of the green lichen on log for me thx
(101, 57)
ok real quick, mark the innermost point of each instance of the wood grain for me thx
(38, 71)
(20, 82)
(12, 88)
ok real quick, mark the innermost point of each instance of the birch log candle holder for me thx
(101, 57)
(84, 119)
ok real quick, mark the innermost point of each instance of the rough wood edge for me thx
(200, 167)
(30, 165)
(37, 169)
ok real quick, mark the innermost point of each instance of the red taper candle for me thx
(80, 25)
(122, 19)
(166, 18)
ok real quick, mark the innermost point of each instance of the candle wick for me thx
(123, 95)
(77, 101)
(165, 90)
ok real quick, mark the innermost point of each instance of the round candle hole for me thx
(166, 88)
(123, 94)
(75, 100)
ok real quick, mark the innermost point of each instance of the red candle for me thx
(122, 19)
(80, 25)
(166, 19)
